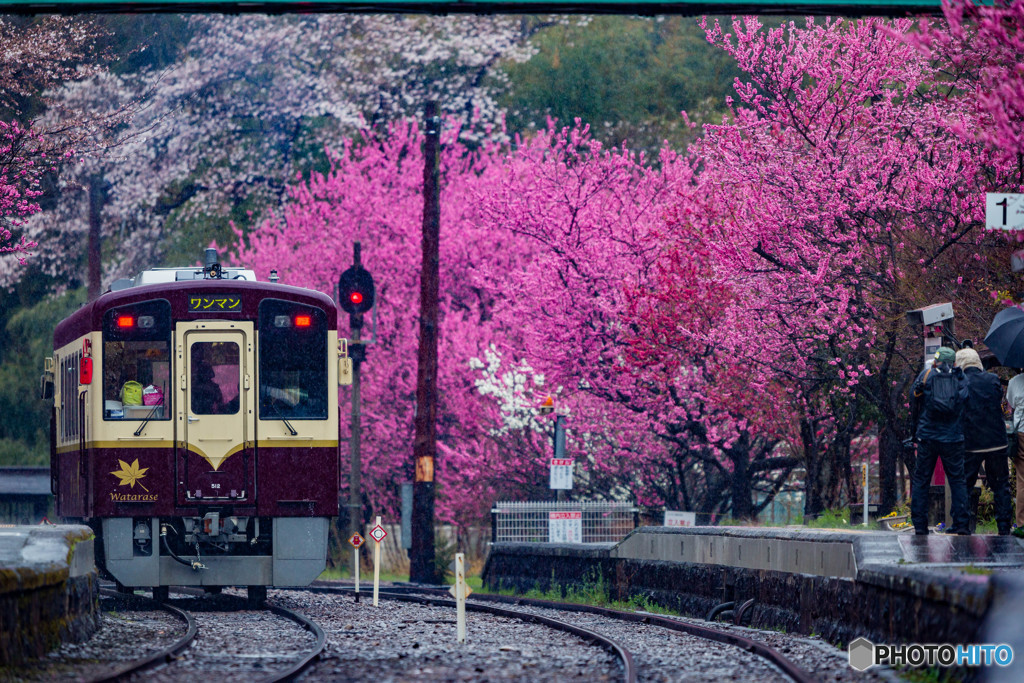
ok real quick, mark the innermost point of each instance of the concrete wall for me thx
(48, 589)
(883, 602)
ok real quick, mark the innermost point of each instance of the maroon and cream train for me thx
(195, 428)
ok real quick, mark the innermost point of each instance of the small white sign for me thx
(1004, 211)
(561, 473)
(677, 518)
(565, 527)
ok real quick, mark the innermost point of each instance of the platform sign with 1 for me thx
(1004, 211)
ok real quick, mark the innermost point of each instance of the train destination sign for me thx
(681, 7)
(215, 304)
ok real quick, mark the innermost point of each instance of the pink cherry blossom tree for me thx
(984, 45)
(838, 182)
(372, 193)
(543, 245)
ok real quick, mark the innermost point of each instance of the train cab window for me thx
(292, 361)
(214, 377)
(137, 362)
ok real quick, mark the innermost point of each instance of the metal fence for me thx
(577, 521)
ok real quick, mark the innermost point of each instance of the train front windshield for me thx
(292, 361)
(137, 362)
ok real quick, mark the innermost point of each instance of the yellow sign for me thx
(129, 474)
(424, 468)
(452, 591)
(220, 304)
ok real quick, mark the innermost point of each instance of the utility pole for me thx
(560, 448)
(421, 555)
(95, 225)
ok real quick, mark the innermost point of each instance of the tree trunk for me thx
(839, 471)
(889, 447)
(814, 505)
(742, 506)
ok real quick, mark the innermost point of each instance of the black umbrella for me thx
(1006, 337)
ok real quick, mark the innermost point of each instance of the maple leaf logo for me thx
(129, 474)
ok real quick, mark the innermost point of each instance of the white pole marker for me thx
(376, 564)
(460, 597)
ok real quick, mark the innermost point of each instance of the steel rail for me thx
(300, 619)
(160, 657)
(624, 656)
(318, 647)
(750, 645)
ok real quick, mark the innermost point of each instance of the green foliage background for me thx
(27, 340)
(628, 77)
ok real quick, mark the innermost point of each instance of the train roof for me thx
(177, 291)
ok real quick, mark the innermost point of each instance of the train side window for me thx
(137, 362)
(292, 361)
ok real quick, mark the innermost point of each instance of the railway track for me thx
(629, 672)
(411, 637)
(487, 603)
(161, 656)
(206, 658)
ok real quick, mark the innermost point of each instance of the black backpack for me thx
(944, 398)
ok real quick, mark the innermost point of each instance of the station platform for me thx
(821, 552)
(48, 589)
(886, 586)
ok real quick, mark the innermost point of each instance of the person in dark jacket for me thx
(985, 435)
(939, 436)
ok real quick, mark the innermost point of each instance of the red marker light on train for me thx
(303, 321)
(85, 371)
(125, 321)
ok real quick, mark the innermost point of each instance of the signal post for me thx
(356, 296)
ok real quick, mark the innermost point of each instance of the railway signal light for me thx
(355, 290)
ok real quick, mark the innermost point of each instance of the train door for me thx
(215, 383)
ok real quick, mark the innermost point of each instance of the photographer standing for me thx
(939, 396)
(985, 435)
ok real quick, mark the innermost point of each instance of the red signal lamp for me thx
(303, 321)
(124, 321)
